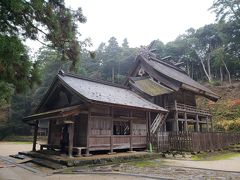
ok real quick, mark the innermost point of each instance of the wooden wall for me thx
(80, 130)
(185, 97)
(55, 132)
(101, 128)
(95, 129)
(182, 97)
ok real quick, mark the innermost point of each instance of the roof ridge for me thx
(93, 80)
(169, 65)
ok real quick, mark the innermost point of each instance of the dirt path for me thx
(8, 148)
(232, 164)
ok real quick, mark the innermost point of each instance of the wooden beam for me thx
(35, 136)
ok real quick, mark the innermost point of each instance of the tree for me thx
(208, 40)
(228, 10)
(125, 44)
(219, 56)
(111, 59)
(17, 71)
(42, 20)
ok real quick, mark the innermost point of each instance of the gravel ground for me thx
(172, 169)
(157, 168)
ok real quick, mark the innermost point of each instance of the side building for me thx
(93, 115)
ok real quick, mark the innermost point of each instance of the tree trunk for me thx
(188, 69)
(205, 71)
(192, 71)
(209, 68)
(228, 73)
(221, 75)
(112, 74)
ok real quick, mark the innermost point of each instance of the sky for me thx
(140, 21)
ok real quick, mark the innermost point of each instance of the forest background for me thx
(209, 55)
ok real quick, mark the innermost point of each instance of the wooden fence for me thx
(193, 141)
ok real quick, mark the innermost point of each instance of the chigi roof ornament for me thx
(147, 52)
(61, 72)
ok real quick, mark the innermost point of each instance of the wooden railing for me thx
(194, 141)
(187, 108)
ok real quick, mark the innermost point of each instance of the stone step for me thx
(48, 164)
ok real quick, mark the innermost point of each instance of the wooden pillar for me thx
(49, 131)
(88, 131)
(207, 123)
(197, 123)
(195, 126)
(212, 129)
(200, 127)
(148, 117)
(131, 131)
(164, 126)
(175, 122)
(175, 104)
(35, 135)
(185, 122)
(111, 136)
(70, 138)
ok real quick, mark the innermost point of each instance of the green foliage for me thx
(42, 19)
(6, 91)
(228, 125)
(17, 71)
(228, 10)
(226, 116)
(216, 83)
(109, 59)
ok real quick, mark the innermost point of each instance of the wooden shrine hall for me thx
(83, 114)
(88, 115)
(169, 86)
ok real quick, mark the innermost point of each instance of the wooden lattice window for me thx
(121, 128)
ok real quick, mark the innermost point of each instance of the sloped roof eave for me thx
(180, 77)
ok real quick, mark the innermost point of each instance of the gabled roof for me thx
(177, 75)
(104, 92)
(149, 86)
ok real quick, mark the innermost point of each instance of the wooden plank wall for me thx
(194, 141)
(55, 134)
(80, 131)
(100, 128)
